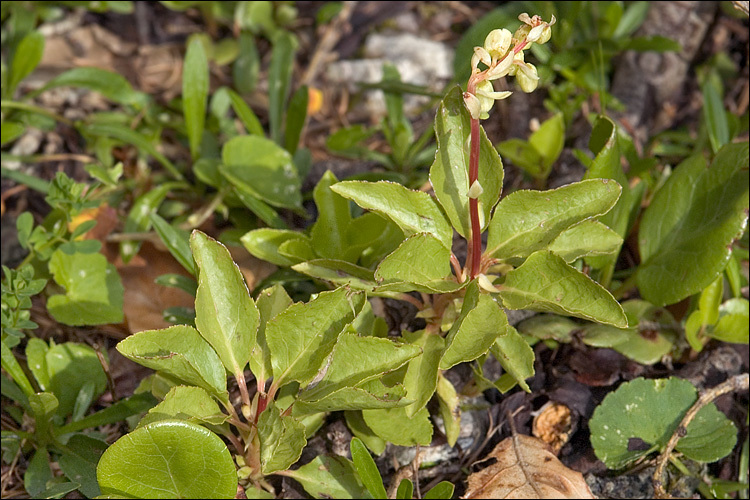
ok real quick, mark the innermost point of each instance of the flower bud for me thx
(527, 77)
(483, 55)
(485, 284)
(497, 43)
(476, 190)
(473, 105)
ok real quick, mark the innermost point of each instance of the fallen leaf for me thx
(526, 468)
(553, 425)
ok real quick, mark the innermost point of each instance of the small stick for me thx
(736, 383)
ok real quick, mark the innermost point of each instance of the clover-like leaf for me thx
(184, 460)
(651, 410)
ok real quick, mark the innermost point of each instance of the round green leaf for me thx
(168, 459)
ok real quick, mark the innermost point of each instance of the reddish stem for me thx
(475, 241)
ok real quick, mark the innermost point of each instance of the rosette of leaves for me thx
(306, 359)
(533, 238)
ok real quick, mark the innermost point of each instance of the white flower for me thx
(473, 105)
(527, 77)
(497, 43)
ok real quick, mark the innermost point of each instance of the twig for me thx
(736, 383)
(331, 37)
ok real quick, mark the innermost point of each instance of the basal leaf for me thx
(263, 169)
(70, 366)
(113, 86)
(413, 211)
(548, 141)
(281, 440)
(449, 173)
(419, 259)
(421, 376)
(686, 233)
(186, 403)
(546, 283)
(93, 290)
(271, 302)
(301, 337)
(449, 409)
(329, 233)
(527, 221)
(195, 93)
(359, 428)
(27, 56)
(481, 321)
(184, 461)
(330, 477)
(368, 395)
(338, 272)
(358, 359)
(372, 237)
(264, 243)
(181, 352)
(396, 427)
(711, 436)
(367, 470)
(515, 355)
(225, 314)
(590, 237)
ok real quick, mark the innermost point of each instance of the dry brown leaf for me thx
(526, 468)
(553, 425)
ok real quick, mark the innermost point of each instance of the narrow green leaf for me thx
(27, 56)
(449, 173)
(546, 283)
(10, 364)
(444, 489)
(715, 116)
(296, 116)
(301, 337)
(263, 169)
(710, 300)
(139, 218)
(481, 321)
(413, 211)
(119, 411)
(421, 376)
(632, 19)
(359, 428)
(113, 86)
(43, 407)
(523, 155)
(270, 303)
(330, 477)
(181, 352)
(527, 221)
(246, 115)
(420, 259)
(686, 233)
(367, 469)
(368, 395)
(279, 79)
(225, 314)
(260, 208)
(449, 409)
(358, 359)
(11, 131)
(195, 93)
(176, 241)
(338, 272)
(329, 234)
(548, 141)
(36, 360)
(515, 355)
(184, 460)
(264, 243)
(247, 65)
(405, 490)
(281, 440)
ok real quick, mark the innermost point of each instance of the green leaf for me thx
(421, 376)
(686, 233)
(395, 427)
(587, 238)
(548, 142)
(79, 465)
(119, 411)
(653, 409)
(405, 490)
(38, 473)
(356, 360)
(113, 86)
(413, 211)
(181, 352)
(176, 241)
(36, 360)
(329, 477)
(264, 243)
(711, 436)
(338, 272)
(715, 116)
(420, 259)
(481, 321)
(359, 428)
(69, 367)
(296, 116)
(11, 131)
(546, 283)
(367, 469)
(632, 19)
(368, 395)
(281, 440)
(255, 165)
(270, 303)
(647, 339)
(139, 217)
(94, 292)
(444, 489)
(329, 234)
(195, 93)
(184, 461)
(301, 337)
(710, 300)
(186, 403)
(449, 409)
(449, 173)
(27, 56)
(733, 322)
(11, 365)
(527, 221)
(225, 314)
(549, 326)
(246, 67)
(515, 356)
(43, 407)
(245, 114)
(523, 155)
(279, 79)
